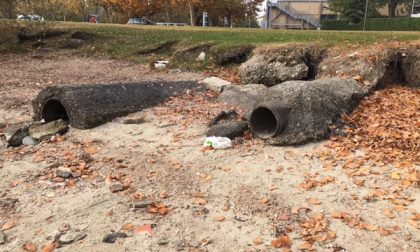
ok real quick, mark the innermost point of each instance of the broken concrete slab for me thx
(273, 65)
(411, 68)
(44, 131)
(14, 134)
(230, 129)
(311, 107)
(215, 83)
(87, 106)
(243, 96)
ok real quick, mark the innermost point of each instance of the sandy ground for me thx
(240, 199)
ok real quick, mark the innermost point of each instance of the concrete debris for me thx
(230, 129)
(244, 97)
(215, 83)
(29, 141)
(71, 236)
(44, 131)
(14, 134)
(273, 65)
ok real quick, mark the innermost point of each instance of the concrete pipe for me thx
(268, 120)
(88, 106)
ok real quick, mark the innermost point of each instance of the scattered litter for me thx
(218, 142)
(201, 56)
(161, 64)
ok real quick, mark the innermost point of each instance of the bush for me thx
(375, 24)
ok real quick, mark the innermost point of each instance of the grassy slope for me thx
(123, 41)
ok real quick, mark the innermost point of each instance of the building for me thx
(297, 14)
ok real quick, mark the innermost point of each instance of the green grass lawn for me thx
(124, 41)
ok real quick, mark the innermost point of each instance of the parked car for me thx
(140, 21)
(30, 17)
(172, 24)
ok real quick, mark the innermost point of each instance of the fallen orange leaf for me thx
(219, 218)
(147, 228)
(8, 225)
(314, 201)
(30, 247)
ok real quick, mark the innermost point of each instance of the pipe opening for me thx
(264, 123)
(54, 110)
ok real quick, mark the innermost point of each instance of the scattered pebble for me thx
(142, 203)
(117, 187)
(112, 237)
(71, 236)
(63, 172)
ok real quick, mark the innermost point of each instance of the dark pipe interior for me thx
(263, 122)
(54, 110)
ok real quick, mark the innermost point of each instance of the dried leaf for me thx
(305, 246)
(200, 201)
(389, 213)
(127, 227)
(384, 232)
(9, 225)
(219, 218)
(258, 241)
(314, 201)
(337, 215)
(48, 248)
(147, 228)
(282, 242)
(30, 247)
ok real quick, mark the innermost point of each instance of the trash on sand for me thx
(217, 142)
(161, 64)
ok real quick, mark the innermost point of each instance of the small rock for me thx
(162, 241)
(47, 130)
(215, 83)
(76, 43)
(230, 130)
(112, 237)
(63, 172)
(117, 187)
(2, 238)
(29, 141)
(142, 203)
(71, 236)
(136, 118)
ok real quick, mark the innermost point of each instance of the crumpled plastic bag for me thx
(218, 142)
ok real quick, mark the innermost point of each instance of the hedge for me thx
(375, 24)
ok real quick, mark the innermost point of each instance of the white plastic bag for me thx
(218, 142)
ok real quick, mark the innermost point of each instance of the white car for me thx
(30, 17)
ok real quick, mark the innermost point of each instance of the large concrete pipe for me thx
(268, 120)
(88, 106)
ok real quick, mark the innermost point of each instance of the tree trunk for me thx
(191, 7)
(167, 11)
(392, 7)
